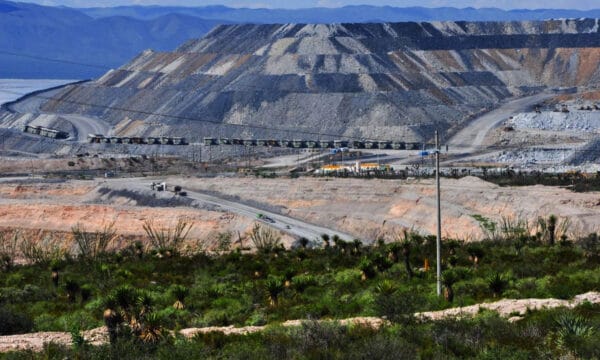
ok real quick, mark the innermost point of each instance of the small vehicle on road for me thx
(265, 218)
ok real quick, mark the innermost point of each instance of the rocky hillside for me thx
(384, 80)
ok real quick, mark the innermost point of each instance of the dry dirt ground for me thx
(367, 209)
(505, 307)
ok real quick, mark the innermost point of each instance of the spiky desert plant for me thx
(449, 278)
(303, 242)
(90, 244)
(8, 249)
(273, 287)
(386, 287)
(552, 220)
(264, 238)
(367, 268)
(111, 317)
(55, 267)
(288, 275)
(573, 329)
(356, 246)
(476, 253)
(325, 239)
(126, 299)
(85, 292)
(144, 302)
(151, 330)
(394, 251)
(72, 288)
(179, 292)
(497, 284)
(167, 240)
(406, 250)
(301, 282)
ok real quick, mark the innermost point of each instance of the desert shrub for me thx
(264, 238)
(170, 238)
(92, 245)
(398, 306)
(378, 345)
(13, 322)
(8, 250)
(315, 339)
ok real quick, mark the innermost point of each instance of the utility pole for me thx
(439, 215)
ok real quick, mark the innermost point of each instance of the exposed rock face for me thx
(380, 81)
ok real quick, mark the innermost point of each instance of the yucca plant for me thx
(303, 242)
(145, 303)
(72, 288)
(449, 278)
(367, 269)
(497, 284)
(356, 246)
(325, 239)
(55, 267)
(394, 251)
(301, 282)
(85, 292)
(112, 318)
(475, 252)
(179, 292)
(126, 299)
(273, 287)
(406, 249)
(288, 275)
(151, 330)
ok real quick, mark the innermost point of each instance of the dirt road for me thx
(286, 224)
(470, 139)
(83, 125)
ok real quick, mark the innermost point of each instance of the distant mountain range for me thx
(347, 14)
(108, 37)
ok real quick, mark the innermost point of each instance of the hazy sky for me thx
(504, 4)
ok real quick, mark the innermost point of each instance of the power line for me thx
(63, 61)
(187, 118)
(218, 123)
(259, 127)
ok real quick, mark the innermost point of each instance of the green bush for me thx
(13, 322)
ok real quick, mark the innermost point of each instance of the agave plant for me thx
(573, 329)
(386, 287)
(179, 292)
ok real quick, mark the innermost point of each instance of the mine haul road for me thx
(286, 224)
(469, 140)
(82, 125)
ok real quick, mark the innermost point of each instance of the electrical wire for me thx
(247, 126)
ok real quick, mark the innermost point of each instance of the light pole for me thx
(439, 216)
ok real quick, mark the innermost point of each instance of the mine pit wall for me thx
(366, 80)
